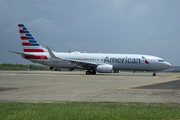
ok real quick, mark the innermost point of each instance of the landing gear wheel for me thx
(154, 74)
(87, 72)
(93, 72)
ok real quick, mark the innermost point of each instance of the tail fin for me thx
(29, 43)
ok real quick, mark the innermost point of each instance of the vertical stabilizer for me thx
(29, 43)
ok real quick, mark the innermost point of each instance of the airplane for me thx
(91, 62)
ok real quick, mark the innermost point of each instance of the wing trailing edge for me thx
(70, 60)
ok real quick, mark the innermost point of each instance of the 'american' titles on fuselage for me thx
(123, 60)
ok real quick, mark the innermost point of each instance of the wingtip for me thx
(47, 47)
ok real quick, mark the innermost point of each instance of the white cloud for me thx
(9, 10)
(116, 5)
(44, 30)
(42, 24)
(46, 26)
(43, 6)
(139, 9)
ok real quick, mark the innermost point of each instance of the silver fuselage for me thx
(135, 62)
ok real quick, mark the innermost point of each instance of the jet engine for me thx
(105, 68)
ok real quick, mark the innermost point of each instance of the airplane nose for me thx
(168, 65)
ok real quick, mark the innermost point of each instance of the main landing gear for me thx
(88, 72)
(154, 74)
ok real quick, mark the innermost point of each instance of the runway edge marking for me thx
(133, 86)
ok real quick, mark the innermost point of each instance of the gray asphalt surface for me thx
(42, 86)
(166, 85)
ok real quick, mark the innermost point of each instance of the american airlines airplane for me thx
(91, 62)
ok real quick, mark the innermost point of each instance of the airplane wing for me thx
(78, 62)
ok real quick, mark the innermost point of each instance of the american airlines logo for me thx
(125, 60)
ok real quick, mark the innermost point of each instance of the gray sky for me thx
(108, 26)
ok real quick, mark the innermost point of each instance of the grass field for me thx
(89, 111)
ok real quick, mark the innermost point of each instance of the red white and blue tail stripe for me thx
(29, 43)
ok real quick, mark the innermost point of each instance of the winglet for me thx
(51, 53)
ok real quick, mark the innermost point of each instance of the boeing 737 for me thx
(91, 62)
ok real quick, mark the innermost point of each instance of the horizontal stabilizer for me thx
(20, 53)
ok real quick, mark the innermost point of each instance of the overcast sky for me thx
(108, 26)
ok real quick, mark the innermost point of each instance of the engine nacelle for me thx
(105, 68)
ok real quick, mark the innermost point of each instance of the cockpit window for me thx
(161, 60)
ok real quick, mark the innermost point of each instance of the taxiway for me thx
(50, 86)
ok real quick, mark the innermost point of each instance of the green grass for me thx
(89, 111)
(22, 67)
